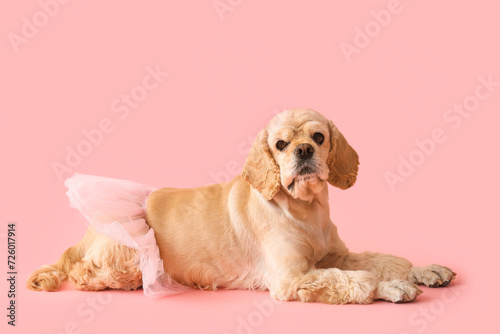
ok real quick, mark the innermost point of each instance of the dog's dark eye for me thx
(281, 144)
(318, 138)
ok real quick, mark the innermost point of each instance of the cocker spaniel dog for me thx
(267, 229)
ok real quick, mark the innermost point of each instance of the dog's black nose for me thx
(304, 151)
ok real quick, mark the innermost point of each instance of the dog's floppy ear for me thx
(261, 170)
(342, 160)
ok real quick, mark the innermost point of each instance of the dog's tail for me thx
(50, 277)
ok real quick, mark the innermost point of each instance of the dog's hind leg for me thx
(97, 262)
(106, 264)
(50, 277)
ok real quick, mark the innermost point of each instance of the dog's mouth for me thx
(304, 167)
(304, 174)
(302, 178)
(306, 170)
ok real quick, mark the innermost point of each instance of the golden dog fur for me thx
(268, 228)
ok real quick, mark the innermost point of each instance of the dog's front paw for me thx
(356, 286)
(397, 291)
(433, 276)
(334, 286)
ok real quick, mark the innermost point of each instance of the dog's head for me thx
(298, 152)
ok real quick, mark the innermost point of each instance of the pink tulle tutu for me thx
(116, 208)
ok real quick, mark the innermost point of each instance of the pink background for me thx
(227, 77)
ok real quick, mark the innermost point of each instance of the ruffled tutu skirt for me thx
(116, 208)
